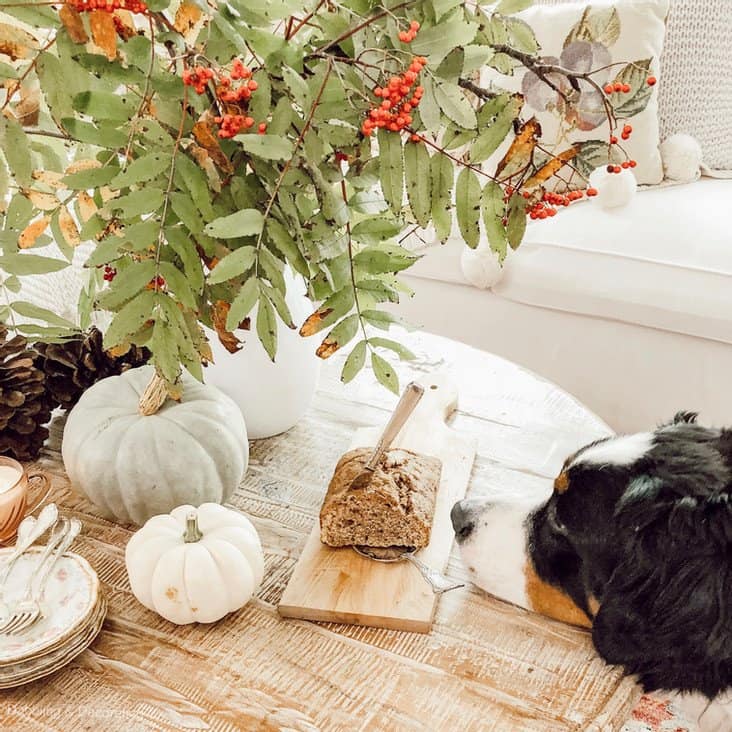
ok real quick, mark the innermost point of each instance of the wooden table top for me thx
(486, 666)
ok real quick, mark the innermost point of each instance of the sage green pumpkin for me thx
(134, 466)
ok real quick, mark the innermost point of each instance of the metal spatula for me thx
(407, 402)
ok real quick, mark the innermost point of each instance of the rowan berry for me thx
(610, 168)
(626, 88)
(608, 88)
(616, 169)
(591, 192)
(262, 128)
(613, 140)
(618, 87)
(651, 81)
(632, 163)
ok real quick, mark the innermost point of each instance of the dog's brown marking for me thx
(551, 601)
(594, 604)
(561, 483)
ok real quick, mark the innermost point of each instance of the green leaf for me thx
(297, 86)
(442, 175)
(467, 206)
(272, 269)
(142, 170)
(128, 282)
(286, 245)
(130, 318)
(429, 110)
(495, 121)
(354, 363)
(385, 373)
(277, 298)
(137, 203)
(516, 226)
(391, 168)
(247, 222)
(14, 144)
(164, 348)
(91, 178)
(178, 283)
(108, 137)
(380, 260)
(437, 41)
(375, 230)
(105, 105)
(455, 105)
(30, 264)
(187, 211)
(494, 209)
(51, 77)
(190, 177)
(601, 25)
(402, 351)
(243, 303)
(417, 171)
(592, 154)
(521, 35)
(635, 75)
(506, 7)
(269, 147)
(29, 310)
(379, 318)
(106, 251)
(267, 326)
(233, 265)
(378, 290)
(185, 249)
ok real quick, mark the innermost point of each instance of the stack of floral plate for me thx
(73, 613)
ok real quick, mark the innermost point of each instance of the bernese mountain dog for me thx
(635, 542)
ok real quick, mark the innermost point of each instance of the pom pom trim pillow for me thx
(621, 42)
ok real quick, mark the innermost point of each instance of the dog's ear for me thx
(666, 613)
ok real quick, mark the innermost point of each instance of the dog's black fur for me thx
(651, 542)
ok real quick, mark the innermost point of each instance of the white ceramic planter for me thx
(272, 396)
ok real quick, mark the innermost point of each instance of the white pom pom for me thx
(480, 266)
(682, 157)
(613, 189)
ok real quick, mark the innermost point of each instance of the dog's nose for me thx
(462, 517)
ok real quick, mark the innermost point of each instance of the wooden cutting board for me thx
(338, 585)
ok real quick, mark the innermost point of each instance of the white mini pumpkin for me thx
(133, 466)
(195, 565)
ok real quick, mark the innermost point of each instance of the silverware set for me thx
(27, 609)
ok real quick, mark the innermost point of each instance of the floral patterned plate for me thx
(71, 595)
(35, 668)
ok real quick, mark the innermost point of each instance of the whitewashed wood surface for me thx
(486, 666)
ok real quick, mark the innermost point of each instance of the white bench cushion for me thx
(664, 261)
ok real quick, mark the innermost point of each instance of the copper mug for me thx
(15, 482)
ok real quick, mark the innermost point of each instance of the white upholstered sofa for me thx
(628, 309)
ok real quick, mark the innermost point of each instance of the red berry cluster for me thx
(546, 206)
(236, 95)
(198, 77)
(109, 273)
(83, 6)
(394, 111)
(617, 87)
(408, 36)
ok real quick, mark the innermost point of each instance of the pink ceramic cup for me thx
(14, 483)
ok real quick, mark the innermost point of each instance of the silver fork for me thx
(29, 532)
(28, 611)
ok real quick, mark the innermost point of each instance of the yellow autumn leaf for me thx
(550, 168)
(48, 177)
(103, 32)
(519, 154)
(30, 234)
(68, 228)
(15, 42)
(73, 23)
(187, 18)
(28, 108)
(43, 201)
(80, 165)
(87, 207)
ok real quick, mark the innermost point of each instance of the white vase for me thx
(272, 396)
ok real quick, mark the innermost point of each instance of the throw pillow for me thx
(623, 41)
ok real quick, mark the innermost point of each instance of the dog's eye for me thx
(555, 522)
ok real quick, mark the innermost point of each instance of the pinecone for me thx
(73, 366)
(25, 406)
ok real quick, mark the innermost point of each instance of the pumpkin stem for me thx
(192, 532)
(154, 396)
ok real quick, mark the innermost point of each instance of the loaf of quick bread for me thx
(396, 508)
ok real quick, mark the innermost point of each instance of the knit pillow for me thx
(695, 94)
(623, 39)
